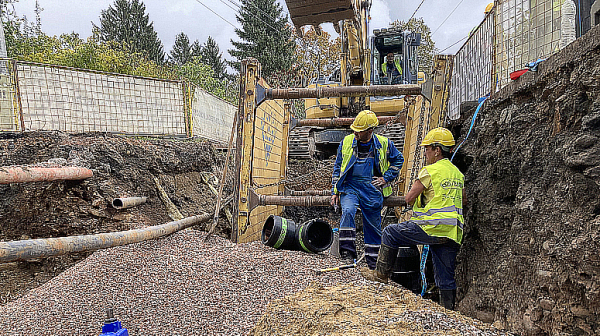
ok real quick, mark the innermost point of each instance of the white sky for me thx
(174, 16)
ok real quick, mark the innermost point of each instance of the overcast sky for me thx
(190, 16)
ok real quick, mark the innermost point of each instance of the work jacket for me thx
(388, 161)
(396, 64)
(442, 216)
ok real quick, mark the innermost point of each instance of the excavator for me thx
(362, 62)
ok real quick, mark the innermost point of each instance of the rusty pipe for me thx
(336, 122)
(308, 192)
(127, 202)
(49, 247)
(308, 201)
(36, 174)
(344, 91)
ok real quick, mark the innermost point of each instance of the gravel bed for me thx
(178, 285)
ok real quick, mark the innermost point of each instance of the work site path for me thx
(178, 285)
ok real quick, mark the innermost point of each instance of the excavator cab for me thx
(403, 47)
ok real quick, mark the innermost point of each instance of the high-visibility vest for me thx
(349, 156)
(396, 63)
(443, 215)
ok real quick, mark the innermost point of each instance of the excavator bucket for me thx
(315, 12)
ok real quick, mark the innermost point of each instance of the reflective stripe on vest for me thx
(443, 215)
(348, 151)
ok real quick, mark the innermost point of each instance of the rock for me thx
(546, 304)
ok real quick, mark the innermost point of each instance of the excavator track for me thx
(395, 133)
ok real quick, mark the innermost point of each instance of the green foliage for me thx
(316, 55)
(265, 35)
(127, 22)
(182, 50)
(427, 50)
(202, 75)
(211, 56)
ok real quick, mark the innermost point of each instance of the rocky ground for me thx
(530, 260)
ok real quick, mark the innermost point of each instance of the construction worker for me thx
(392, 71)
(365, 166)
(437, 197)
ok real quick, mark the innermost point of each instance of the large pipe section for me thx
(344, 91)
(37, 174)
(49, 247)
(309, 201)
(308, 192)
(337, 122)
(127, 202)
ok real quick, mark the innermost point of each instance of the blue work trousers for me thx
(443, 250)
(370, 201)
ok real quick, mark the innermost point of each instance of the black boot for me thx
(447, 298)
(385, 261)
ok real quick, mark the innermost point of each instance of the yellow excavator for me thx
(387, 57)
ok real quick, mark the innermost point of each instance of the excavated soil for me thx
(530, 261)
(123, 167)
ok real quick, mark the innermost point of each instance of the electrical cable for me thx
(415, 12)
(217, 14)
(461, 1)
(453, 44)
(228, 5)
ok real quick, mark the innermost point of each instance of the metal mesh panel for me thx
(472, 71)
(9, 114)
(70, 100)
(525, 31)
(212, 118)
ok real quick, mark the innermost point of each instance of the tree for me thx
(181, 52)
(427, 50)
(211, 56)
(128, 22)
(265, 35)
(316, 55)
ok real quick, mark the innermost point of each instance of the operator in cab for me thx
(438, 197)
(365, 166)
(391, 69)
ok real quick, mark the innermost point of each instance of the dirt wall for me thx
(530, 260)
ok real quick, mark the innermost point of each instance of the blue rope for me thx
(423, 261)
(481, 101)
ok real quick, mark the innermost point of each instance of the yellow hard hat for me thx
(364, 120)
(440, 136)
(489, 7)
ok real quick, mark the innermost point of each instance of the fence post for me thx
(17, 98)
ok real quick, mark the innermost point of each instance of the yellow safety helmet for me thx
(364, 120)
(488, 8)
(440, 136)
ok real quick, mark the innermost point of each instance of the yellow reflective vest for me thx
(443, 215)
(348, 153)
(396, 63)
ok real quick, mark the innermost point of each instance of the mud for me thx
(530, 261)
(122, 167)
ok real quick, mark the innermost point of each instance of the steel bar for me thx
(344, 91)
(127, 202)
(336, 122)
(49, 247)
(36, 174)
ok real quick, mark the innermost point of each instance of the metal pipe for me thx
(127, 202)
(308, 201)
(36, 174)
(344, 91)
(308, 192)
(49, 247)
(336, 122)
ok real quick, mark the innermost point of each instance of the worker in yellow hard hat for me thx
(488, 8)
(365, 166)
(437, 197)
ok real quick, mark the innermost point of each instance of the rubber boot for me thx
(447, 298)
(385, 262)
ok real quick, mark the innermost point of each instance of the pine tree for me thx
(128, 22)
(211, 56)
(181, 52)
(265, 35)
(196, 49)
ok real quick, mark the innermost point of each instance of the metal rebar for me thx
(344, 91)
(49, 247)
(36, 174)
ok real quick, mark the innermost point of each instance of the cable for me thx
(453, 44)
(461, 1)
(228, 5)
(217, 14)
(415, 12)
